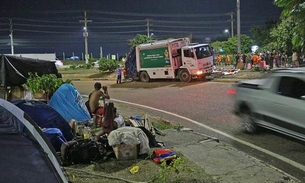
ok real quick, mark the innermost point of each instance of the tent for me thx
(26, 154)
(69, 103)
(45, 116)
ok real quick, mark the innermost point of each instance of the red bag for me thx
(160, 155)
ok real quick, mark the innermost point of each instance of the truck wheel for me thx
(144, 77)
(184, 76)
(248, 122)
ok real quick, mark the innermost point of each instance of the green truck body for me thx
(154, 58)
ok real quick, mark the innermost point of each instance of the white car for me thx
(276, 102)
(58, 63)
(96, 63)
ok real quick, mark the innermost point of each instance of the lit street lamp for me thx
(227, 32)
(85, 34)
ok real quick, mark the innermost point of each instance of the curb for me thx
(91, 79)
(106, 79)
(227, 80)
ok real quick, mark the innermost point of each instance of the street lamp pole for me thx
(232, 29)
(11, 36)
(147, 25)
(85, 34)
(238, 26)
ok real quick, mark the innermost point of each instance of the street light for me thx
(85, 34)
(227, 32)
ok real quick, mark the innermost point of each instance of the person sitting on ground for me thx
(96, 95)
(118, 118)
(93, 104)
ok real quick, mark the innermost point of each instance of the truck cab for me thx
(197, 59)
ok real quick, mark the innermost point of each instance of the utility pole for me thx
(232, 30)
(147, 25)
(238, 26)
(11, 35)
(85, 34)
(101, 52)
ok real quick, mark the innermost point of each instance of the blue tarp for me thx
(68, 102)
(55, 136)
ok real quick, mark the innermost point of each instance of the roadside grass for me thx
(84, 73)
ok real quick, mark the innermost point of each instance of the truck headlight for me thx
(199, 72)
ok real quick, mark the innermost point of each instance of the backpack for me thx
(79, 151)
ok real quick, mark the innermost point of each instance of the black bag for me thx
(79, 151)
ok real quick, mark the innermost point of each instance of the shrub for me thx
(107, 65)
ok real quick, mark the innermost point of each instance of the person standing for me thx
(228, 60)
(255, 59)
(283, 59)
(218, 59)
(295, 58)
(118, 72)
(269, 60)
(273, 58)
(237, 59)
(213, 54)
(278, 59)
(244, 58)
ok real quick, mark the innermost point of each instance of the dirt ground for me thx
(118, 171)
(109, 169)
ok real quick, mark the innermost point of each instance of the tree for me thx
(139, 39)
(217, 45)
(295, 10)
(230, 46)
(261, 35)
(283, 35)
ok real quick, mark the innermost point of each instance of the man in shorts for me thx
(95, 96)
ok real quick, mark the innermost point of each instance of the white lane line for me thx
(289, 161)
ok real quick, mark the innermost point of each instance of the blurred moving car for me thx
(276, 102)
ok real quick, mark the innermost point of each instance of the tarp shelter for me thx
(69, 103)
(26, 154)
(14, 69)
(45, 116)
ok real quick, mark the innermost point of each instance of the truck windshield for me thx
(203, 51)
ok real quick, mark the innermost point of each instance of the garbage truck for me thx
(170, 59)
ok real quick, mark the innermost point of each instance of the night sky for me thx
(44, 26)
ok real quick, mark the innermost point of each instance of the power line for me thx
(159, 15)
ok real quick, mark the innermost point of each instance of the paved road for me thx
(208, 104)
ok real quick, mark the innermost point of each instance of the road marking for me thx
(286, 160)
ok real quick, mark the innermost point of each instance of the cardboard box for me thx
(125, 152)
